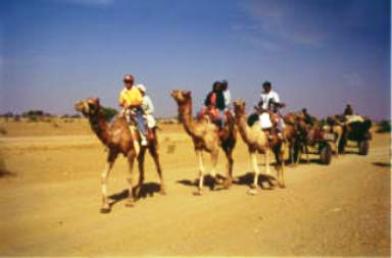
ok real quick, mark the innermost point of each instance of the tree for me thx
(109, 113)
(384, 126)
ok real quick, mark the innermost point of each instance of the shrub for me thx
(384, 126)
(32, 118)
(17, 118)
(109, 113)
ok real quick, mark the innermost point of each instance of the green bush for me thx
(109, 113)
(384, 126)
(32, 118)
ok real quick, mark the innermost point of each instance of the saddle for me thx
(130, 118)
(212, 115)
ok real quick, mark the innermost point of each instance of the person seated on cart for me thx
(308, 119)
(269, 106)
(350, 116)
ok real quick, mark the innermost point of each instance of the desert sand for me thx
(50, 199)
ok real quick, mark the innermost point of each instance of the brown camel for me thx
(119, 139)
(292, 136)
(207, 137)
(335, 126)
(258, 141)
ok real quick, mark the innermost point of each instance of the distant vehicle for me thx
(359, 132)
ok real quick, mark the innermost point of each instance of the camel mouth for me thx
(174, 93)
(78, 106)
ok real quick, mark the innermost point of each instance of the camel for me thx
(336, 127)
(292, 136)
(258, 141)
(119, 139)
(206, 136)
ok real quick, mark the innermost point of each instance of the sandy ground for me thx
(50, 200)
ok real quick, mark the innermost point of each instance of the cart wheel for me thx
(363, 147)
(325, 154)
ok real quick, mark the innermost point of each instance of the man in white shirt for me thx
(148, 109)
(270, 102)
(226, 94)
(268, 97)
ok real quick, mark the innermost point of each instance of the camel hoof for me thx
(218, 180)
(163, 192)
(227, 183)
(252, 191)
(105, 210)
(129, 203)
(282, 186)
(198, 193)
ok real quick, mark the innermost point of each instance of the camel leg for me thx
(253, 158)
(307, 153)
(279, 154)
(229, 174)
(104, 187)
(155, 156)
(337, 145)
(199, 154)
(140, 160)
(214, 163)
(292, 153)
(299, 154)
(130, 179)
(267, 162)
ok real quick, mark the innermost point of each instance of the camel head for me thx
(181, 96)
(239, 107)
(88, 107)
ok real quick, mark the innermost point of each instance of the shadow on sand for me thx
(382, 164)
(303, 161)
(147, 190)
(4, 172)
(209, 181)
(266, 182)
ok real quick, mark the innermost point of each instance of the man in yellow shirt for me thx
(131, 99)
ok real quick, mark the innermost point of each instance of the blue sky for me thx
(318, 54)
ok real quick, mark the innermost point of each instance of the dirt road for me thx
(50, 204)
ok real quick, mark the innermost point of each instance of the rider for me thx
(350, 116)
(307, 117)
(226, 94)
(131, 101)
(348, 111)
(148, 109)
(270, 103)
(215, 103)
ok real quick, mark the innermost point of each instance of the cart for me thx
(316, 139)
(358, 132)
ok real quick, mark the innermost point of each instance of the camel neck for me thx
(185, 111)
(100, 127)
(243, 127)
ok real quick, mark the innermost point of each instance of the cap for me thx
(141, 87)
